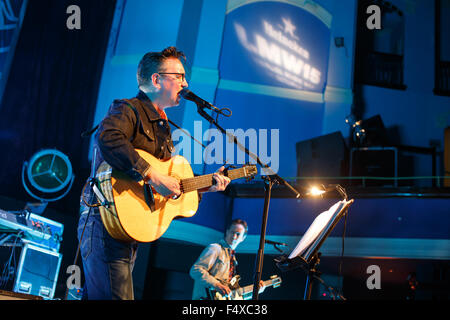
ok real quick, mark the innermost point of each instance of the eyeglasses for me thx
(180, 76)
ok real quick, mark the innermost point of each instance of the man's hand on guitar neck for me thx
(222, 181)
(168, 186)
(165, 185)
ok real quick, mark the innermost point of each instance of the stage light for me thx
(316, 191)
(49, 175)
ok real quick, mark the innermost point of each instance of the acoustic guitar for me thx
(134, 211)
(241, 293)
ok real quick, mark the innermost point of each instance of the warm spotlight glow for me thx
(315, 191)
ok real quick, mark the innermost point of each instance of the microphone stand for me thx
(269, 181)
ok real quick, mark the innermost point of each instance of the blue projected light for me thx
(276, 44)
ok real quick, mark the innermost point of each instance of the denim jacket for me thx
(130, 124)
(121, 132)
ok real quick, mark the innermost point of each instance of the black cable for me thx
(12, 258)
(90, 206)
(89, 181)
(78, 248)
(330, 289)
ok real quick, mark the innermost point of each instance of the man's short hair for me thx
(151, 62)
(239, 221)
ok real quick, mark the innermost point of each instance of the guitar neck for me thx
(205, 181)
(249, 289)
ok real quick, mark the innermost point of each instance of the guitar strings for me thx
(195, 183)
(206, 178)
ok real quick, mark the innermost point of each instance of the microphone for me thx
(189, 95)
(275, 243)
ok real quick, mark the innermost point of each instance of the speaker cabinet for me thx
(375, 165)
(38, 270)
(322, 159)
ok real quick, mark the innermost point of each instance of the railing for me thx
(436, 180)
(255, 188)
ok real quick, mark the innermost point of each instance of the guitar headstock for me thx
(250, 171)
(276, 281)
(234, 282)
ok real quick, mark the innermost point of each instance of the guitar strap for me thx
(233, 261)
(186, 133)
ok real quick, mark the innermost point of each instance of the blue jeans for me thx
(107, 263)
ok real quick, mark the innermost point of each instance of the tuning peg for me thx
(227, 167)
(230, 166)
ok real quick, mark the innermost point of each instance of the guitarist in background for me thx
(217, 264)
(137, 123)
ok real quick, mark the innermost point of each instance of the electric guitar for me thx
(238, 293)
(135, 211)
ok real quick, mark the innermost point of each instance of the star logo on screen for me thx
(289, 27)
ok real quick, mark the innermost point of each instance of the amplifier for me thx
(50, 227)
(374, 162)
(323, 159)
(40, 230)
(38, 271)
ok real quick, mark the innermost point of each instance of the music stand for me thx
(306, 254)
